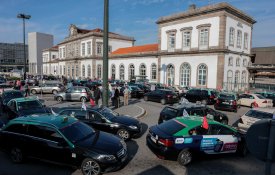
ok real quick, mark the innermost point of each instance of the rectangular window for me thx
(203, 38)
(171, 41)
(239, 39)
(64, 53)
(245, 41)
(109, 49)
(99, 48)
(89, 48)
(231, 36)
(186, 39)
(60, 53)
(83, 49)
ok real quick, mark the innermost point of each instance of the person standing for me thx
(116, 97)
(27, 90)
(126, 93)
(97, 94)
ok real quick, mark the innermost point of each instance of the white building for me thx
(202, 47)
(37, 42)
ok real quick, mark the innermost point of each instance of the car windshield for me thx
(26, 105)
(171, 127)
(11, 95)
(259, 114)
(260, 96)
(77, 131)
(227, 96)
(108, 113)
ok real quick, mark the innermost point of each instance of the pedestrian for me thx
(27, 90)
(116, 96)
(113, 96)
(126, 93)
(18, 85)
(97, 94)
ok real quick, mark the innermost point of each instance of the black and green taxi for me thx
(63, 140)
(183, 137)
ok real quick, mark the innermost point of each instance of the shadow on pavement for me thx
(156, 170)
(144, 129)
(132, 147)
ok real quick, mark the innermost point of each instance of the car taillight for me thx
(166, 142)
(234, 103)
(240, 121)
(265, 101)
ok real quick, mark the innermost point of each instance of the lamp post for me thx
(105, 53)
(23, 16)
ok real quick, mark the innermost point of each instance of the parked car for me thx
(268, 95)
(253, 115)
(7, 95)
(205, 96)
(170, 112)
(227, 101)
(143, 87)
(19, 107)
(77, 93)
(63, 140)
(92, 85)
(254, 100)
(162, 96)
(182, 138)
(105, 119)
(47, 88)
(135, 91)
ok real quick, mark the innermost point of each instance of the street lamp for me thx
(23, 16)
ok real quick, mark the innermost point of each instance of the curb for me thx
(143, 112)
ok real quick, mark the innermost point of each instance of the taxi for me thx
(183, 137)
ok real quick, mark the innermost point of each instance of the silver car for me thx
(47, 88)
(76, 93)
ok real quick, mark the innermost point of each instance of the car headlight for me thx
(107, 157)
(133, 127)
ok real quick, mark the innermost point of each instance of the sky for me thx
(135, 18)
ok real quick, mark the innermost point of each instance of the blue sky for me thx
(134, 18)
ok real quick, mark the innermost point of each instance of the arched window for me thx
(231, 36)
(154, 71)
(202, 75)
(69, 70)
(238, 62)
(72, 71)
(237, 78)
(131, 71)
(170, 75)
(142, 70)
(76, 71)
(64, 70)
(121, 72)
(83, 70)
(185, 74)
(243, 80)
(89, 71)
(229, 79)
(60, 70)
(244, 62)
(99, 71)
(113, 71)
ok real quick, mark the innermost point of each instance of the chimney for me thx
(192, 7)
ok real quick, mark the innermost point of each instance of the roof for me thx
(25, 99)
(136, 49)
(208, 9)
(59, 121)
(264, 55)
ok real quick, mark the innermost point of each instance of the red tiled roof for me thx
(136, 49)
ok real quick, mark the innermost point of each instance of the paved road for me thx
(143, 162)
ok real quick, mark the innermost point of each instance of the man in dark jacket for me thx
(97, 94)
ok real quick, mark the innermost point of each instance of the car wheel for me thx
(204, 102)
(145, 98)
(225, 122)
(33, 91)
(54, 92)
(16, 155)
(185, 157)
(163, 101)
(123, 134)
(59, 99)
(90, 167)
(83, 99)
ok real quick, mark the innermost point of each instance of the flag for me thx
(84, 106)
(185, 114)
(205, 123)
(55, 114)
(92, 102)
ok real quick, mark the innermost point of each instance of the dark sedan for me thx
(161, 95)
(227, 101)
(104, 119)
(135, 91)
(7, 96)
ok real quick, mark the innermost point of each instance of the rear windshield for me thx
(260, 96)
(227, 96)
(171, 127)
(259, 114)
(170, 111)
